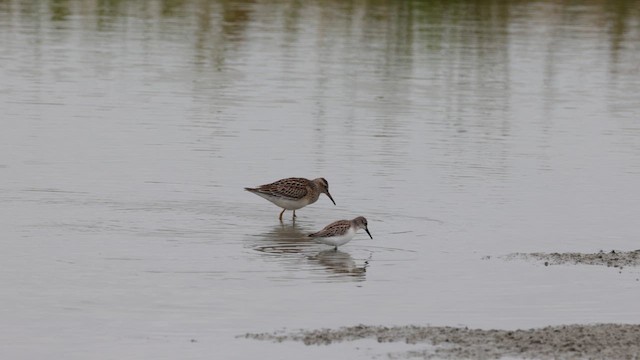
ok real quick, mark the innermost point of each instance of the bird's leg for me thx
(294, 214)
(283, 210)
(335, 248)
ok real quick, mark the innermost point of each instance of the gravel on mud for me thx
(613, 258)
(597, 341)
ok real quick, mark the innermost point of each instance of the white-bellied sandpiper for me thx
(340, 232)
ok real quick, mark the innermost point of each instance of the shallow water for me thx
(463, 132)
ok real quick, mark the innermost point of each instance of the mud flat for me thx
(612, 258)
(597, 341)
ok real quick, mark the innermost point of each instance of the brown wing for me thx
(294, 188)
(335, 228)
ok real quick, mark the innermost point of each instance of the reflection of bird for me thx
(340, 232)
(283, 239)
(339, 262)
(293, 193)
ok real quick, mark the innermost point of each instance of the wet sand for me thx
(613, 258)
(598, 341)
(595, 341)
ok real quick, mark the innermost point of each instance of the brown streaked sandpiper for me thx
(293, 193)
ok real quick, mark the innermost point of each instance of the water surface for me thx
(463, 131)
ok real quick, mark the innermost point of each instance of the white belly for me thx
(337, 240)
(286, 203)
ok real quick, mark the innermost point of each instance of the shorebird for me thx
(340, 232)
(293, 193)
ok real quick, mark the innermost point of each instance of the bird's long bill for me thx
(329, 195)
(367, 230)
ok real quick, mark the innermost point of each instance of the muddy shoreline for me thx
(596, 341)
(592, 341)
(612, 258)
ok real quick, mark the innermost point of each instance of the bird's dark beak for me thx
(367, 230)
(329, 195)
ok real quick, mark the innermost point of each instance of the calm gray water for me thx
(463, 131)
